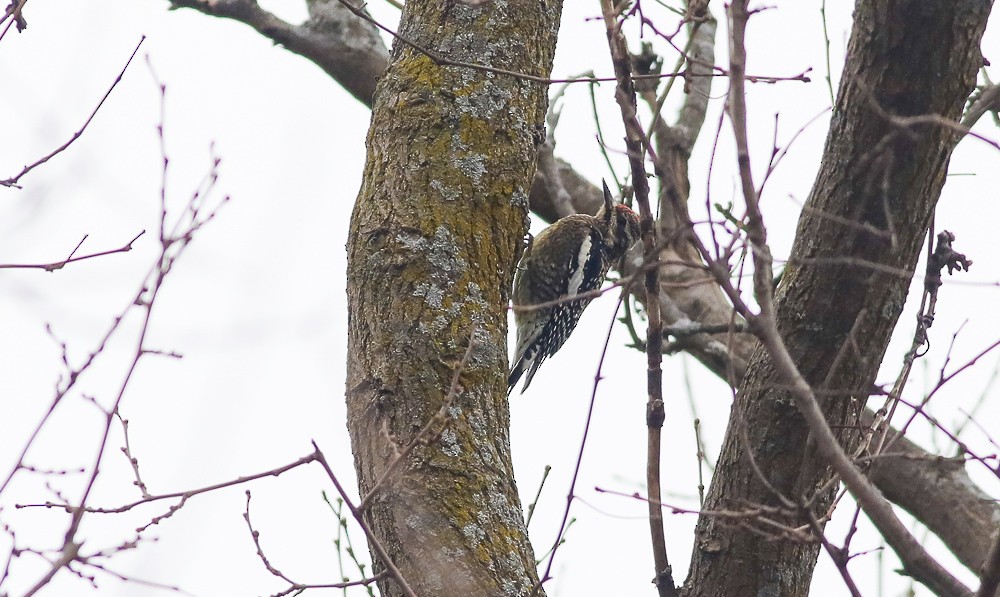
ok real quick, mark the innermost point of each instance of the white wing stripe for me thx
(581, 261)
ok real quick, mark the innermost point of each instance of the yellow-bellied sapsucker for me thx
(570, 257)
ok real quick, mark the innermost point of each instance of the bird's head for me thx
(622, 224)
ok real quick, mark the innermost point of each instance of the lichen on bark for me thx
(434, 239)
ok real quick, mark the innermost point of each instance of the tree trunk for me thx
(435, 235)
(855, 250)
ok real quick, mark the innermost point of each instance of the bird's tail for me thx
(515, 375)
(526, 363)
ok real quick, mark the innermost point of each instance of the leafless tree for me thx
(458, 121)
(458, 154)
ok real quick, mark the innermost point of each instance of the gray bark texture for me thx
(435, 235)
(849, 272)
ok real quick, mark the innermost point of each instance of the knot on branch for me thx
(14, 8)
(697, 11)
(655, 414)
(920, 337)
(944, 256)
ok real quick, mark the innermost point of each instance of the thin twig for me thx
(12, 181)
(188, 493)
(172, 246)
(132, 460)
(342, 533)
(13, 13)
(701, 462)
(571, 494)
(541, 485)
(442, 61)
(56, 265)
(918, 409)
(826, 43)
(293, 585)
(838, 555)
(938, 258)
(373, 541)
(636, 142)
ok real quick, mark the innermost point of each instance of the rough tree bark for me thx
(351, 52)
(435, 236)
(850, 268)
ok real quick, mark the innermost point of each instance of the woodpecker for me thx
(570, 257)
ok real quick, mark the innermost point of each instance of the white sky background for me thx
(257, 304)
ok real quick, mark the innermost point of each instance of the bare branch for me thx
(56, 265)
(293, 585)
(538, 495)
(172, 245)
(373, 541)
(187, 493)
(637, 143)
(13, 12)
(12, 181)
(736, 105)
(917, 562)
(907, 475)
(571, 493)
(344, 46)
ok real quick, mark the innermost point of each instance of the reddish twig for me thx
(173, 244)
(442, 61)
(55, 265)
(132, 460)
(636, 142)
(840, 556)
(293, 585)
(373, 542)
(188, 493)
(571, 494)
(12, 181)
(13, 12)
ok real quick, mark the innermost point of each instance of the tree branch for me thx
(373, 541)
(343, 45)
(727, 356)
(635, 140)
(12, 181)
(916, 561)
(55, 265)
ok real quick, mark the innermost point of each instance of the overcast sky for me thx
(257, 305)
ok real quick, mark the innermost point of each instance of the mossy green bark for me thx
(435, 235)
